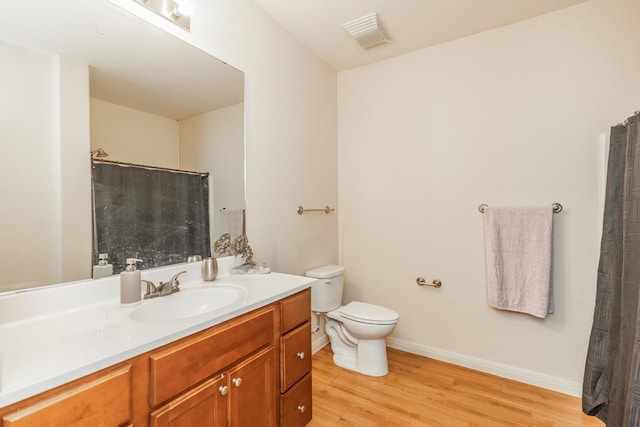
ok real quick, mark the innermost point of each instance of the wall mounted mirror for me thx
(79, 75)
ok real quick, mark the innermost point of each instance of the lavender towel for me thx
(518, 249)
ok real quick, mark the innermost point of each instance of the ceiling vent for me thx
(368, 31)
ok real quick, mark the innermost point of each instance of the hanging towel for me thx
(518, 250)
(232, 222)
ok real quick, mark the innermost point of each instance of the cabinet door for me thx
(204, 406)
(105, 401)
(253, 394)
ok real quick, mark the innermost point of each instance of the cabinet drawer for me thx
(295, 310)
(183, 365)
(295, 355)
(105, 401)
(295, 405)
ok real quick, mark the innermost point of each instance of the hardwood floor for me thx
(424, 392)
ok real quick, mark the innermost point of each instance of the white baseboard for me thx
(523, 375)
(318, 342)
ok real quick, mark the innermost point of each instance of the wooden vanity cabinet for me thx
(238, 362)
(242, 396)
(252, 370)
(295, 360)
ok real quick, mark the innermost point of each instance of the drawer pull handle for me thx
(223, 390)
(301, 408)
(237, 381)
(301, 354)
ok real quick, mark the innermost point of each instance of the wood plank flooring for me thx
(422, 392)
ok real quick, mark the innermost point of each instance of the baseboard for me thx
(523, 375)
(318, 342)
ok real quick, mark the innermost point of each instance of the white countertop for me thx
(60, 333)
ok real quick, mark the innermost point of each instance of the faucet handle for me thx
(151, 288)
(175, 283)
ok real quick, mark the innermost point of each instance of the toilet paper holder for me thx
(422, 282)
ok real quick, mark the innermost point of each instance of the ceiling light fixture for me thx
(368, 31)
(177, 11)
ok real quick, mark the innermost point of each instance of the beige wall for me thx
(71, 140)
(515, 117)
(134, 136)
(214, 142)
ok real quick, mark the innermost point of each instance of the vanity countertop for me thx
(57, 334)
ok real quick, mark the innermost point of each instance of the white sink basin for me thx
(188, 303)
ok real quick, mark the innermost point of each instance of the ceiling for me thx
(131, 62)
(411, 24)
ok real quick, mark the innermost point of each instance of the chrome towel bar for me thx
(326, 210)
(557, 207)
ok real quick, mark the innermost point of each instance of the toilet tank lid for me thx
(326, 271)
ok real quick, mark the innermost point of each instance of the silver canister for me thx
(209, 269)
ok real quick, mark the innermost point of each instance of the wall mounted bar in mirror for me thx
(81, 75)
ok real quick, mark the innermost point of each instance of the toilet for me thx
(357, 331)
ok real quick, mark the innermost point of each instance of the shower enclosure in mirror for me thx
(81, 75)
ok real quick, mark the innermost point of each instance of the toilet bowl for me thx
(357, 330)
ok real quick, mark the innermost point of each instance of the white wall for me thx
(512, 116)
(134, 136)
(290, 113)
(214, 142)
(27, 97)
(44, 145)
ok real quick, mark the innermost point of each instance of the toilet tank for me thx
(326, 291)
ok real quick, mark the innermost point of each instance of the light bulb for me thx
(182, 8)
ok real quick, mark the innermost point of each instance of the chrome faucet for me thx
(163, 288)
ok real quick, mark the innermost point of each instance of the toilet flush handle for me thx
(328, 282)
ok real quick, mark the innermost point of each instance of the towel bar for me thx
(557, 207)
(326, 210)
(436, 283)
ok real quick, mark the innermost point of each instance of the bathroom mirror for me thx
(69, 59)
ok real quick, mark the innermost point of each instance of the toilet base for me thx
(368, 357)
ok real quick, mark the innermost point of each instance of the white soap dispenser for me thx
(103, 269)
(130, 284)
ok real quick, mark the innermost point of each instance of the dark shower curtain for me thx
(611, 387)
(160, 216)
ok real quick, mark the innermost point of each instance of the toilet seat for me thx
(369, 313)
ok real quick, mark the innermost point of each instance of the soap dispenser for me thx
(130, 282)
(103, 269)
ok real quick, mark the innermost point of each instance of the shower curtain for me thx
(160, 216)
(611, 387)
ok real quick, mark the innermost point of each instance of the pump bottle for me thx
(103, 269)
(130, 284)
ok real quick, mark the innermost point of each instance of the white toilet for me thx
(357, 330)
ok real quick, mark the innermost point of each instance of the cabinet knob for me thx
(301, 354)
(223, 390)
(301, 408)
(237, 381)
